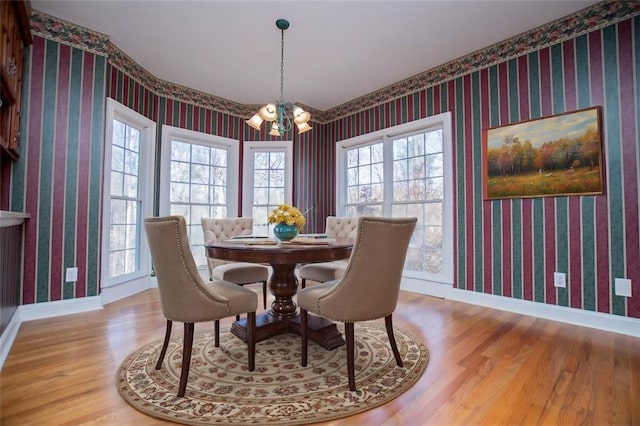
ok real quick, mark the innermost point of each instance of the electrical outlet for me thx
(559, 279)
(72, 275)
(623, 287)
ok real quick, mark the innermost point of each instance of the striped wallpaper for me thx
(57, 178)
(504, 247)
(512, 247)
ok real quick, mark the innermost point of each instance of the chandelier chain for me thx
(282, 67)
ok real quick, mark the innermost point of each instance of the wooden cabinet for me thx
(15, 35)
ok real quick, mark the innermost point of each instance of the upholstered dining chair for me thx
(241, 273)
(369, 288)
(335, 227)
(185, 297)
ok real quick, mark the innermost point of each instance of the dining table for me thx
(283, 257)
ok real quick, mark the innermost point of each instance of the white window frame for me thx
(170, 133)
(251, 147)
(412, 280)
(140, 279)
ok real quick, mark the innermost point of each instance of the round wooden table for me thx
(283, 316)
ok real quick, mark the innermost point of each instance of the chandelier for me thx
(281, 114)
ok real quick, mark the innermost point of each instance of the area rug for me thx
(221, 390)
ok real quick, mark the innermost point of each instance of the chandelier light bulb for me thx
(274, 129)
(300, 116)
(303, 127)
(255, 121)
(269, 112)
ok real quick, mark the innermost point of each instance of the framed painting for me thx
(558, 155)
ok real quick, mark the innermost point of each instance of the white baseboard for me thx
(430, 288)
(597, 320)
(36, 311)
(7, 338)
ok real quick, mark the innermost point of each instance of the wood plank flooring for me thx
(487, 367)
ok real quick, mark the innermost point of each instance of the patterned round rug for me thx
(222, 391)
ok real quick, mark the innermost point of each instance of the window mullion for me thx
(387, 145)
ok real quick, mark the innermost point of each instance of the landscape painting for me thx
(549, 156)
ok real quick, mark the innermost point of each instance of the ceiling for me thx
(335, 51)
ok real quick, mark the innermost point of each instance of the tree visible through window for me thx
(418, 190)
(365, 178)
(198, 179)
(197, 188)
(267, 180)
(404, 175)
(124, 232)
(128, 196)
(268, 187)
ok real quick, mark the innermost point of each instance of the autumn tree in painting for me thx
(515, 157)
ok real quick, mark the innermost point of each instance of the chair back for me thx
(341, 227)
(371, 283)
(220, 229)
(182, 294)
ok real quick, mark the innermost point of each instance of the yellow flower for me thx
(290, 215)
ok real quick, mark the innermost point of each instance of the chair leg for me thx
(186, 357)
(251, 339)
(264, 294)
(303, 336)
(165, 344)
(216, 331)
(392, 340)
(348, 330)
(303, 282)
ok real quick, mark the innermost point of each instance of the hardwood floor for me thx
(487, 367)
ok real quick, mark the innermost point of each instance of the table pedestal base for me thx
(320, 330)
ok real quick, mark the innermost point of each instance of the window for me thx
(128, 176)
(199, 178)
(365, 179)
(268, 174)
(405, 171)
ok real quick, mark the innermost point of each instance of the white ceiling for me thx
(335, 51)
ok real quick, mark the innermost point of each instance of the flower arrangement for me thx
(288, 214)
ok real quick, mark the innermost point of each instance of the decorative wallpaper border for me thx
(597, 16)
(65, 32)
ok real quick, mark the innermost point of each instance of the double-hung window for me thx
(199, 178)
(405, 171)
(268, 174)
(128, 195)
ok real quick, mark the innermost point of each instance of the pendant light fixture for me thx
(281, 114)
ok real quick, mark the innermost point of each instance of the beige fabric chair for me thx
(186, 298)
(336, 227)
(241, 273)
(369, 288)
